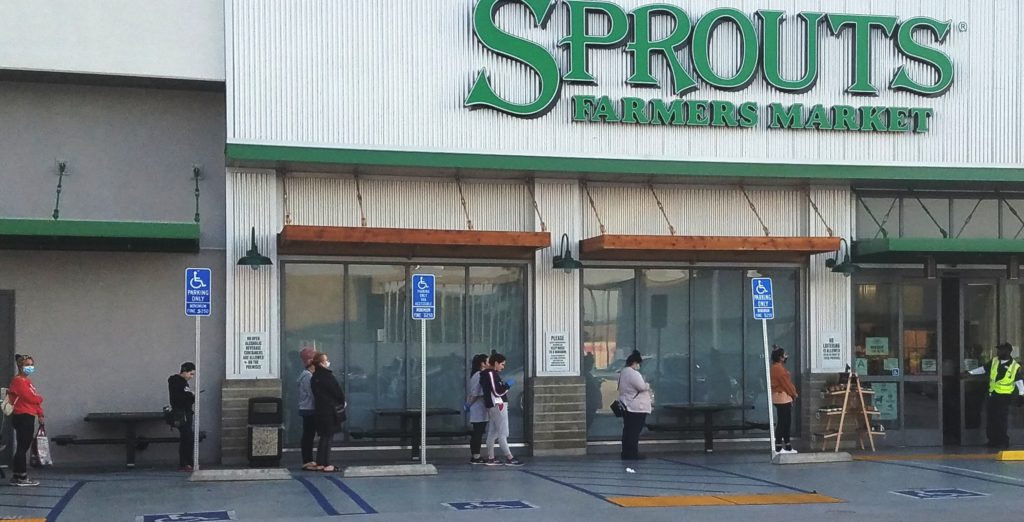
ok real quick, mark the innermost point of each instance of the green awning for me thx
(943, 250)
(108, 236)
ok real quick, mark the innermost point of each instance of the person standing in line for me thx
(495, 392)
(28, 406)
(476, 408)
(328, 406)
(1004, 378)
(182, 400)
(307, 408)
(635, 394)
(783, 395)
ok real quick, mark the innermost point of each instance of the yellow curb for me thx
(724, 500)
(1010, 455)
(935, 456)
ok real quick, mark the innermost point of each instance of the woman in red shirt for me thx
(28, 405)
(783, 395)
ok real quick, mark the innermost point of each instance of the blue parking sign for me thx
(764, 302)
(423, 296)
(198, 292)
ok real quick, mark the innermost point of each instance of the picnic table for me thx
(708, 411)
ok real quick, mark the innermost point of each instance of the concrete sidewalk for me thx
(935, 485)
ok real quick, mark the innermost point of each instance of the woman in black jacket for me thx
(328, 404)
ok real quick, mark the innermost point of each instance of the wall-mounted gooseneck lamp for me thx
(846, 267)
(564, 260)
(253, 258)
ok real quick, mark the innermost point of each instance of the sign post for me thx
(764, 309)
(198, 292)
(423, 310)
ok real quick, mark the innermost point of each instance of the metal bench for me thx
(412, 438)
(138, 442)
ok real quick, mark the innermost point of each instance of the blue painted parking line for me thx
(63, 502)
(24, 506)
(363, 504)
(318, 495)
(566, 484)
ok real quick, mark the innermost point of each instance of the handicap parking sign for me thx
(423, 296)
(198, 292)
(489, 504)
(764, 302)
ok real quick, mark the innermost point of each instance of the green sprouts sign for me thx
(689, 40)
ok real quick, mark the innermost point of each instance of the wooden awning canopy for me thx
(622, 247)
(409, 242)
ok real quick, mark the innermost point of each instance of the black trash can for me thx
(266, 431)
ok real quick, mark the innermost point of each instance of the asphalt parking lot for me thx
(918, 485)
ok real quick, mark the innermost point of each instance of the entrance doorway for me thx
(6, 365)
(971, 329)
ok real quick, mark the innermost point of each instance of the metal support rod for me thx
(287, 207)
(195, 416)
(359, 199)
(756, 213)
(62, 167)
(195, 177)
(462, 198)
(593, 207)
(529, 187)
(828, 229)
(423, 391)
(768, 381)
(671, 229)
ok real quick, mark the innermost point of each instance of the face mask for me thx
(327, 364)
(29, 370)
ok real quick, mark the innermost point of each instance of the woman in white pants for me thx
(496, 400)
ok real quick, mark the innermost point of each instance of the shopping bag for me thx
(41, 449)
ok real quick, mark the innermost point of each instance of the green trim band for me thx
(917, 248)
(269, 155)
(120, 236)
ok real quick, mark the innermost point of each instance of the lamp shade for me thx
(253, 258)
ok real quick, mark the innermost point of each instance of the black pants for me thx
(323, 448)
(998, 410)
(186, 442)
(24, 433)
(477, 437)
(783, 420)
(632, 425)
(308, 434)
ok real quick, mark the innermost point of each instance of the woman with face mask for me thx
(28, 405)
(328, 398)
(636, 395)
(783, 395)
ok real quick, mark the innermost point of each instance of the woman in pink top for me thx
(635, 394)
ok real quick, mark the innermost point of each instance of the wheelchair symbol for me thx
(760, 289)
(196, 282)
(422, 284)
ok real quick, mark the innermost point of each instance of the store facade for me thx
(676, 151)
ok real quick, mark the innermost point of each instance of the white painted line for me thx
(982, 473)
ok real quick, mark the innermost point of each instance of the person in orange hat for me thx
(306, 408)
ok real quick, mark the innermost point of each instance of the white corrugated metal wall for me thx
(253, 295)
(829, 299)
(356, 74)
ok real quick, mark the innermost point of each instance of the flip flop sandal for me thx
(313, 467)
(333, 469)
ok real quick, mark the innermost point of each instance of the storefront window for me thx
(376, 348)
(875, 352)
(922, 405)
(312, 317)
(694, 329)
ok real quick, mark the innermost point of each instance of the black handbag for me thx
(618, 408)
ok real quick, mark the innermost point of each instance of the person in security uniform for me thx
(1005, 380)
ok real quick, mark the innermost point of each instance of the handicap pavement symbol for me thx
(939, 493)
(204, 516)
(489, 504)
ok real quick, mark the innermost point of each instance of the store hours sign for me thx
(683, 39)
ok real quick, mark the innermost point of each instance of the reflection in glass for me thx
(496, 311)
(608, 338)
(920, 327)
(980, 331)
(664, 332)
(922, 405)
(312, 317)
(875, 323)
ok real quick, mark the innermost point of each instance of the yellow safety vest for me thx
(1005, 385)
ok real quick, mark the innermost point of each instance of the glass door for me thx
(979, 308)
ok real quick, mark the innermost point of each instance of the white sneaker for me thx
(789, 451)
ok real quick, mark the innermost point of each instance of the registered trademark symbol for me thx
(962, 26)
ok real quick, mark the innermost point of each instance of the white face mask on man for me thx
(327, 364)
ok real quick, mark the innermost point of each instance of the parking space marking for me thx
(764, 481)
(63, 502)
(955, 473)
(318, 495)
(362, 503)
(725, 500)
(927, 456)
(1007, 477)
